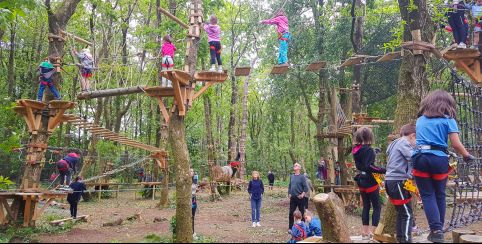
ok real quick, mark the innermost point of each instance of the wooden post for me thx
(331, 210)
(470, 239)
(174, 18)
(456, 234)
(417, 36)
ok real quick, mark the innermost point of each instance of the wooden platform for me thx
(468, 61)
(279, 69)
(316, 66)
(159, 91)
(356, 59)
(211, 76)
(419, 47)
(242, 71)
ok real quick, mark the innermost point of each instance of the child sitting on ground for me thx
(399, 170)
(214, 38)
(47, 70)
(299, 230)
(86, 67)
(168, 50)
(284, 37)
(314, 224)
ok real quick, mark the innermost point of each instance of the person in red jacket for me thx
(64, 172)
(364, 157)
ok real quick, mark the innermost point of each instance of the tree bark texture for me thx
(11, 61)
(330, 209)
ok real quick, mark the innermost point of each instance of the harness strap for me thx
(303, 234)
(399, 202)
(369, 189)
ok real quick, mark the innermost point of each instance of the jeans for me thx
(369, 200)
(295, 202)
(215, 48)
(64, 178)
(52, 88)
(283, 48)
(255, 209)
(430, 174)
(337, 180)
(456, 21)
(401, 199)
(73, 208)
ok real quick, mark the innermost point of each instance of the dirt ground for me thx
(224, 221)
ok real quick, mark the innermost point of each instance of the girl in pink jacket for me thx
(281, 22)
(167, 50)
(214, 38)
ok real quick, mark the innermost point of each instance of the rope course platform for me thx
(466, 60)
(316, 66)
(242, 71)
(279, 69)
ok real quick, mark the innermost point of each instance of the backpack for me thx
(62, 166)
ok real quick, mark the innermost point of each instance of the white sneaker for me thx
(213, 68)
(254, 224)
(220, 69)
(258, 224)
(462, 45)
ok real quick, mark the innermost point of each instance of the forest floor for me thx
(223, 221)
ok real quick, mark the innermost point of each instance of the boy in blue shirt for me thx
(299, 230)
(314, 224)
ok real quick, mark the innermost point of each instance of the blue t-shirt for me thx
(435, 132)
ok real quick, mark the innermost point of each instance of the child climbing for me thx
(364, 157)
(476, 11)
(256, 191)
(456, 18)
(86, 67)
(435, 126)
(314, 224)
(168, 50)
(399, 170)
(299, 230)
(214, 38)
(46, 71)
(284, 37)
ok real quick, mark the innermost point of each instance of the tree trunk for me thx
(244, 123)
(11, 61)
(413, 83)
(232, 120)
(180, 153)
(330, 209)
(210, 145)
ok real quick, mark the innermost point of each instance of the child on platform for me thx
(399, 170)
(86, 67)
(314, 224)
(284, 37)
(456, 18)
(46, 71)
(299, 230)
(364, 157)
(214, 38)
(435, 126)
(168, 50)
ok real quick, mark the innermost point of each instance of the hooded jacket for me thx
(399, 166)
(364, 157)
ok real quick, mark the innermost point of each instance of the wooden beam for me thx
(163, 109)
(110, 92)
(203, 89)
(174, 18)
(76, 38)
(178, 97)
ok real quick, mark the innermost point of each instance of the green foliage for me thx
(172, 226)
(153, 238)
(5, 183)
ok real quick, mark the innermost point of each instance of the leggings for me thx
(73, 208)
(456, 21)
(371, 199)
(215, 50)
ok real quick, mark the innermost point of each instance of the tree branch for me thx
(307, 101)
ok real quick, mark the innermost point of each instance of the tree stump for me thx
(330, 208)
(470, 239)
(456, 234)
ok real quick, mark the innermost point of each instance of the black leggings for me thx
(371, 199)
(215, 49)
(73, 208)
(193, 215)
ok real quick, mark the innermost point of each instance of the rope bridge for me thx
(467, 198)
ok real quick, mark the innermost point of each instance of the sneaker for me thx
(213, 68)
(258, 224)
(220, 69)
(254, 224)
(366, 237)
(462, 45)
(436, 236)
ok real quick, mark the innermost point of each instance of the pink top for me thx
(168, 49)
(281, 23)
(75, 155)
(213, 31)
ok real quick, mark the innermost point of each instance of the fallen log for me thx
(330, 209)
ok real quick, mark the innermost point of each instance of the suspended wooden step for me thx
(242, 71)
(316, 66)
(389, 56)
(280, 69)
(466, 60)
(419, 46)
(211, 76)
(356, 59)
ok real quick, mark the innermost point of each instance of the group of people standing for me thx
(459, 25)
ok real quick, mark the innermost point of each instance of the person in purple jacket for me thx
(214, 38)
(284, 36)
(256, 191)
